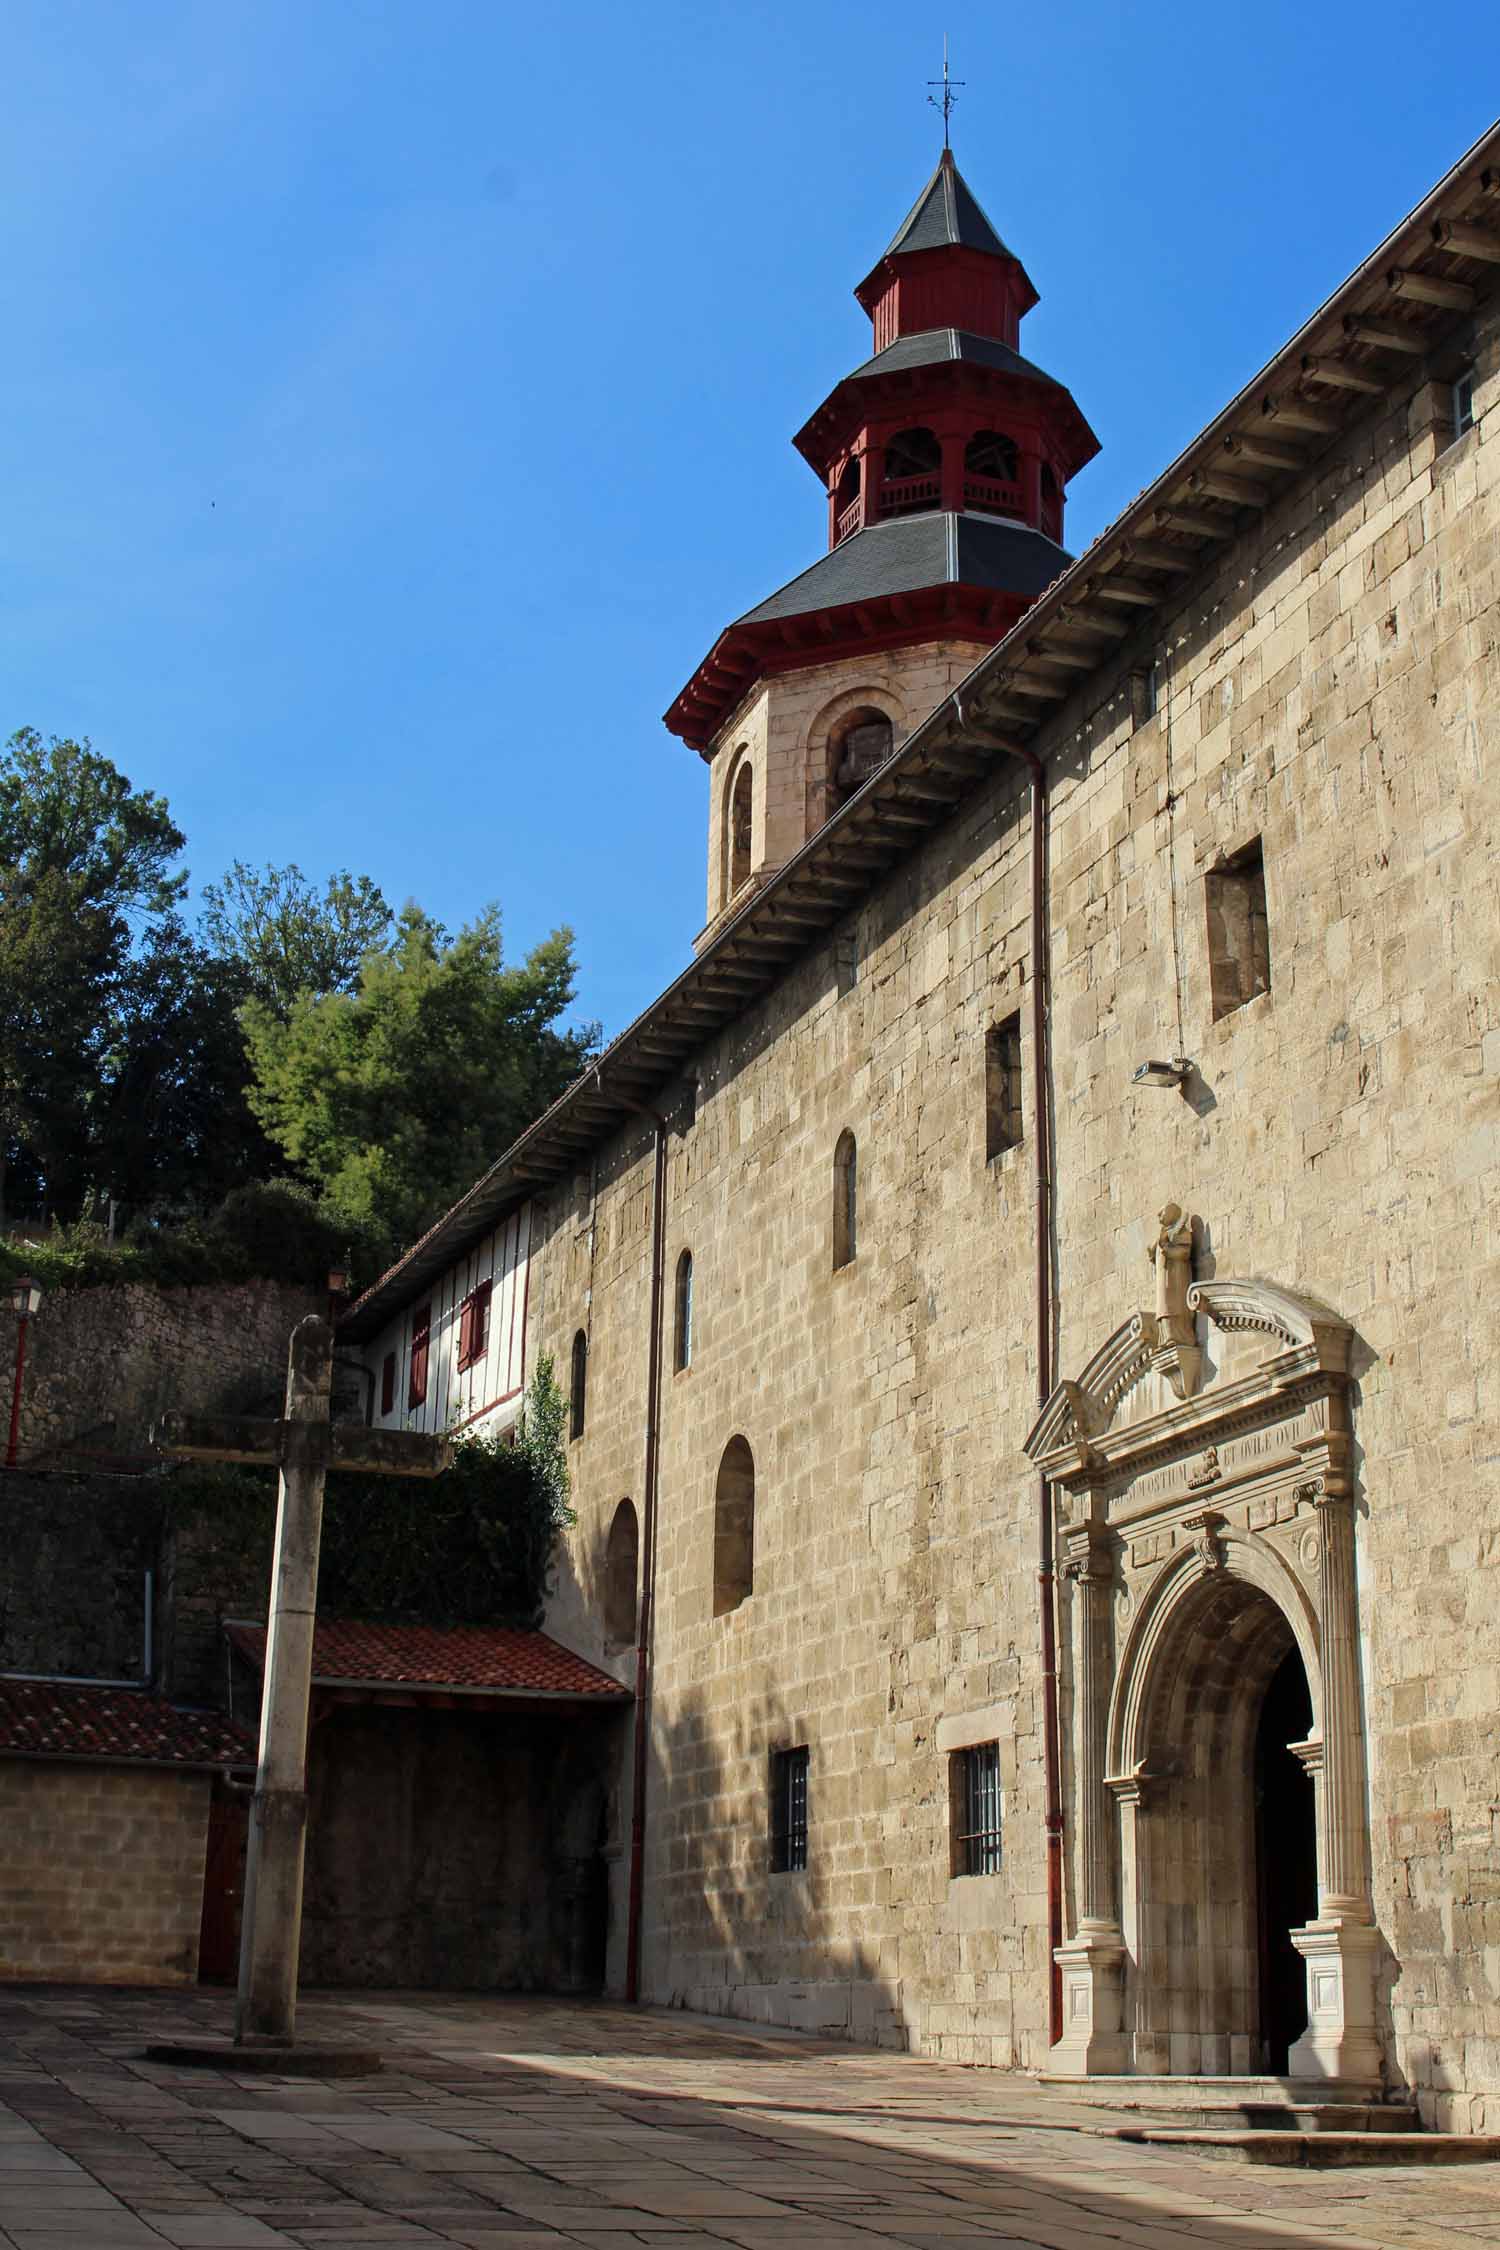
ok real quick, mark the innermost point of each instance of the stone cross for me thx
(303, 1445)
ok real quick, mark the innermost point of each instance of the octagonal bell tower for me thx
(945, 459)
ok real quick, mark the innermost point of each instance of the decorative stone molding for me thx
(1228, 1498)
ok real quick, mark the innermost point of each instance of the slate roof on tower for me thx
(912, 552)
(935, 345)
(947, 212)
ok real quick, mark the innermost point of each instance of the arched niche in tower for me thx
(913, 472)
(850, 737)
(992, 473)
(739, 826)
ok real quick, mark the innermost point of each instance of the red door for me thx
(223, 1884)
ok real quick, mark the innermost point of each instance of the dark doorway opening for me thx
(1286, 1858)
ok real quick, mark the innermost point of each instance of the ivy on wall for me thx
(471, 1547)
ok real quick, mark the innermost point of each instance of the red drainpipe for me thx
(1041, 1114)
(648, 1567)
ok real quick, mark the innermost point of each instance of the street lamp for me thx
(25, 1296)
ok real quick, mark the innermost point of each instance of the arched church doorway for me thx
(1223, 1855)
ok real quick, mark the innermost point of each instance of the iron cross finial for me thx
(948, 97)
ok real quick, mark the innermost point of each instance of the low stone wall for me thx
(102, 1365)
(103, 1872)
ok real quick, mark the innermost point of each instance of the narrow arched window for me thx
(741, 811)
(992, 455)
(847, 488)
(857, 747)
(578, 1403)
(682, 1314)
(622, 1564)
(845, 1201)
(734, 1527)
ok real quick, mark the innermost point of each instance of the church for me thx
(1026, 1291)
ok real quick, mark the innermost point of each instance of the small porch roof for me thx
(437, 1666)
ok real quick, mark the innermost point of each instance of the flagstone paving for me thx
(514, 2124)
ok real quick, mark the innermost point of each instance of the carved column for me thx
(1092, 1961)
(1340, 1946)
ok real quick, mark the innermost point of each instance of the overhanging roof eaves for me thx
(930, 347)
(910, 553)
(688, 1012)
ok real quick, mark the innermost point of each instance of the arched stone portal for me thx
(1202, 1469)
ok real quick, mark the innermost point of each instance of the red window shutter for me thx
(421, 1330)
(482, 1319)
(387, 1382)
(474, 1325)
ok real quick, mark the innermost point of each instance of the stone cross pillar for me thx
(1340, 1946)
(304, 1445)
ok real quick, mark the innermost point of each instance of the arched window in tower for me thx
(846, 510)
(859, 744)
(682, 1314)
(992, 468)
(734, 1527)
(913, 461)
(845, 1201)
(622, 1563)
(741, 808)
(578, 1401)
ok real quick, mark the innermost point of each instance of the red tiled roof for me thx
(495, 1657)
(43, 1718)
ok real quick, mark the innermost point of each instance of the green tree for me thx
(287, 937)
(64, 810)
(60, 962)
(392, 1099)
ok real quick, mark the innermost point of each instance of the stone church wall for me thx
(1332, 691)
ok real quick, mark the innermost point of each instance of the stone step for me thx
(1316, 2151)
(1278, 2116)
(1140, 2091)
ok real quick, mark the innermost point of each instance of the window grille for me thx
(474, 1326)
(1463, 403)
(977, 1804)
(421, 1332)
(788, 1810)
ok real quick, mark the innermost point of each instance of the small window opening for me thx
(741, 806)
(421, 1335)
(1463, 402)
(858, 746)
(578, 1397)
(734, 1528)
(846, 491)
(846, 960)
(388, 1383)
(1145, 693)
(993, 455)
(913, 453)
(1003, 1127)
(622, 1563)
(682, 1322)
(1239, 943)
(788, 1810)
(975, 1806)
(474, 1325)
(1049, 481)
(845, 1201)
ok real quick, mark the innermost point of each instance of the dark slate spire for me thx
(947, 214)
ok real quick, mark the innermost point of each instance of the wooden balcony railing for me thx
(992, 497)
(909, 496)
(849, 520)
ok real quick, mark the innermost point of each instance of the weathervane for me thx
(948, 95)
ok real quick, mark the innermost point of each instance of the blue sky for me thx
(398, 397)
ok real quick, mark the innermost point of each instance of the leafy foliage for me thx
(66, 811)
(394, 1098)
(286, 938)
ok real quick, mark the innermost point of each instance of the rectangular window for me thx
(1239, 942)
(975, 1805)
(421, 1331)
(388, 1383)
(788, 1810)
(1463, 403)
(1144, 694)
(846, 960)
(474, 1326)
(1002, 1087)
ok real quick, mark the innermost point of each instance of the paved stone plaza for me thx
(509, 2125)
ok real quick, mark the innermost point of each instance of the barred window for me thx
(788, 1810)
(975, 1802)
